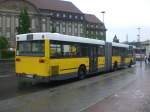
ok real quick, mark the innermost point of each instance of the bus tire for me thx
(81, 72)
(115, 67)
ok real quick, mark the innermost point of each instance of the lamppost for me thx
(104, 30)
(103, 12)
(139, 32)
(139, 44)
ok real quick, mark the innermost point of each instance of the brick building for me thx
(45, 15)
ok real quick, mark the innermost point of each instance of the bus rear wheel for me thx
(81, 72)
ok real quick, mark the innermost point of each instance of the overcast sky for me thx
(122, 17)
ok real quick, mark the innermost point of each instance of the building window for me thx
(96, 32)
(81, 30)
(17, 22)
(64, 15)
(75, 30)
(63, 23)
(51, 13)
(50, 25)
(43, 27)
(64, 29)
(70, 16)
(81, 17)
(7, 22)
(0, 21)
(57, 29)
(101, 33)
(70, 29)
(87, 32)
(43, 20)
(76, 17)
(87, 25)
(33, 23)
(57, 15)
(96, 26)
(76, 25)
(8, 34)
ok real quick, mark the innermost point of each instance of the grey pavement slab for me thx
(132, 98)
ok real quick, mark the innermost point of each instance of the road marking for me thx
(5, 76)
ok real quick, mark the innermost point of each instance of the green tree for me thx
(24, 22)
(3, 43)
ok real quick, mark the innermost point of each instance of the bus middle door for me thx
(93, 55)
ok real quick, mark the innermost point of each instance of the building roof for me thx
(59, 37)
(58, 5)
(92, 18)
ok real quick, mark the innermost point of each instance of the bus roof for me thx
(120, 45)
(59, 37)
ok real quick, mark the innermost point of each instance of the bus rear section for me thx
(31, 61)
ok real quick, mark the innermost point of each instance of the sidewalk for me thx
(133, 98)
(7, 67)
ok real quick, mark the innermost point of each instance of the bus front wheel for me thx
(81, 72)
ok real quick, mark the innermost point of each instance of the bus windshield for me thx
(30, 48)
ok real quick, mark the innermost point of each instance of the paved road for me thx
(8, 83)
(134, 97)
(77, 96)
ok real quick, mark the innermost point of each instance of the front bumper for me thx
(31, 77)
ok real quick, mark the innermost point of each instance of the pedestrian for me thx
(145, 59)
(149, 58)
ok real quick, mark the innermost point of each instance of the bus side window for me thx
(74, 50)
(101, 51)
(83, 51)
(66, 50)
(70, 50)
(56, 50)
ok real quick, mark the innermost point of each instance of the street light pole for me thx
(104, 30)
(139, 31)
(103, 12)
(138, 40)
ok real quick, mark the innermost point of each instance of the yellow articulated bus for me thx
(122, 55)
(52, 56)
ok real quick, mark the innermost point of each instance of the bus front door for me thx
(93, 61)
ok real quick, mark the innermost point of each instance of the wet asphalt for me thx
(71, 95)
(134, 97)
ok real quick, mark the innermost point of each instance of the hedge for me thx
(7, 54)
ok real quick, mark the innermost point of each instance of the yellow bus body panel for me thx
(69, 65)
(32, 66)
(101, 62)
(116, 59)
(127, 60)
